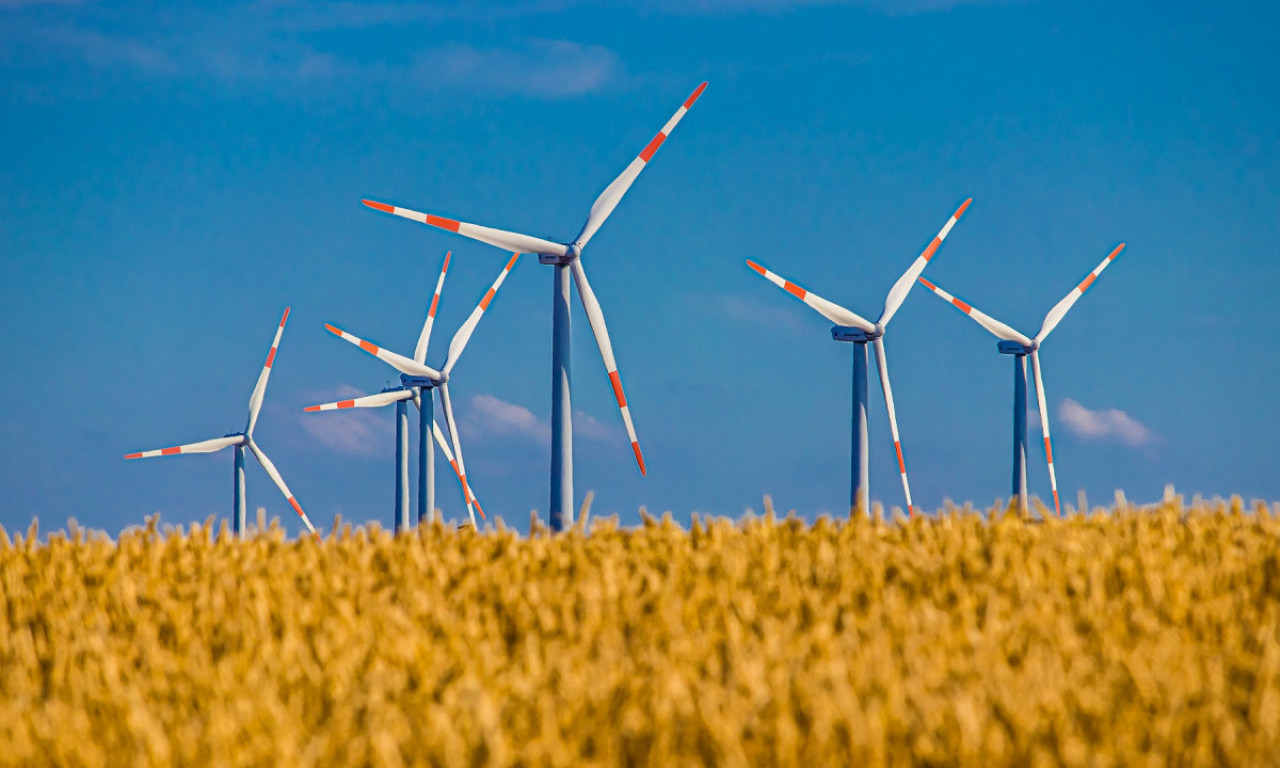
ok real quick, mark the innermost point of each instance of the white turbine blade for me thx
(448, 455)
(279, 481)
(204, 446)
(832, 311)
(424, 338)
(368, 401)
(1059, 310)
(259, 389)
(898, 293)
(997, 328)
(883, 366)
(612, 194)
(596, 317)
(463, 335)
(399, 362)
(457, 452)
(1044, 427)
(507, 241)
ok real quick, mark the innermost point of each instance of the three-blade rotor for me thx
(600, 211)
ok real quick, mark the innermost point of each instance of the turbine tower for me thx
(416, 376)
(1017, 344)
(241, 440)
(853, 328)
(566, 258)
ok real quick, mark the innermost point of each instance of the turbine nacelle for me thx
(1017, 347)
(423, 382)
(571, 255)
(849, 333)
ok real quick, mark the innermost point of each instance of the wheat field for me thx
(1125, 637)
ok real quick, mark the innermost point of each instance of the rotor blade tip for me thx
(311, 408)
(512, 262)
(926, 283)
(755, 266)
(133, 456)
(963, 206)
(375, 205)
(635, 447)
(285, 318)
(694, 96)
(332, 330)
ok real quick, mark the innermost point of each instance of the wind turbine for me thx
(566, 259)
(852, 327)
(1017, 344)
(416, 375)
(241, 440)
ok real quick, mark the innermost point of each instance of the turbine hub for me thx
(573, 253)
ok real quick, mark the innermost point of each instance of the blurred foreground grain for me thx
(1126, 638)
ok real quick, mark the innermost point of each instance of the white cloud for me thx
(1111, 424)
(488, 416)
(354, 432)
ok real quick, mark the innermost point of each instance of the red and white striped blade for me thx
(830, 310)
(997, 328)
(424, 338)
(883, 366)
(399, 362)
(448, 455)
(507, 241)
(1044, 428)
(612, 195)
(279, 481)
(898, 293)
(596, 317)
(1060, 309)
(204, 446)
(259, 389)
(463, 335)
(368, 401)
(457, 452)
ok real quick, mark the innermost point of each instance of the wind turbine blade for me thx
(830, 310)
(204, 446)
(399, 362)
(463, 335)
(507, 241)
(898, 293)
(612, 194)
(279, 481)
(259, 389)
(368, 401)
(997, 328)
(448, 455)
(883, 366)
(424, 338)
(596, 317)
(457, 452)
(1060, 309)
(1044, 427)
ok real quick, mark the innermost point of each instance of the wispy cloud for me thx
(355, 432)
(547, 68)
(743, 310)
(488, 416)
(1109, 425)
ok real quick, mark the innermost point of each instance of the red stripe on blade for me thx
(755, 266)
(1048, 450)
(635, 448)
(311, 408)
(133, 456)
(447, 254)
(347, 404)
(932, 249)
(794, 289)
(616, 380)
(902, 465)
(368, 347)
(379, 206)
(434, 301)
(653, 146)
(928, 284)
(443, 223)
(296, 508)
(488, 297)
(960, 211)
(1088, 281)
(694, 96)
(961, 305)
(512, 262)
(331, 329)
(1116, 252)
(170, 451)
(284, 319)
(271, 356)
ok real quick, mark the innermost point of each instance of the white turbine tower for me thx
(566, 259)
(415, 375)
(852, 327)
(1017, 344)
(241, 440)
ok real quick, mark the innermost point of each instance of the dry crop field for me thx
(1122, 638)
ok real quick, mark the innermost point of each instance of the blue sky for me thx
(173, 176)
